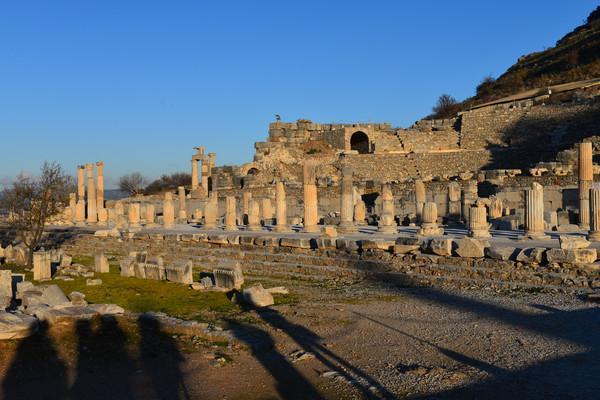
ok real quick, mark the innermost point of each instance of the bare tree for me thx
(133, 183)
(445, 107)
(32, 201)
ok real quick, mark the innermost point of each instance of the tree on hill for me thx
(32, 201)
(133, 183)
(446, 107)
(169, 182)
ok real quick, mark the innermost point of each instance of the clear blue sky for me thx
(139, 83)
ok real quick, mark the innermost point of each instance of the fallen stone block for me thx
(573, 242)
(180, 272)
(575, 256)
(52, 295)
(16, 326)
(78, 299)
(228, 276)
(377, 244)
(218, 239)
(470, 248)
(106, 309)
(65, 261)
(257, 296)
(439, 246)
(501, 253)
(101, 263)
(6, 284)
(93, 282)
(330, 231)
(569, 228)
(326, 243)
(301, 243)
(405, 245)
(531, 255)
(127, 266)
(247, 240)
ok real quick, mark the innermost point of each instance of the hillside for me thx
(575, 57)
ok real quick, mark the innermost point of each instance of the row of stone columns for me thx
(200, 181)
(95, 195)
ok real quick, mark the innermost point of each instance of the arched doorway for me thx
(359, 141)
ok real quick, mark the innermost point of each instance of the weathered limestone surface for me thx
(534, 212)
(42, 267)
(311, 216)
(280, 208)
(429, 226)
(230, 214)
(594, 234)
(168, 211)
(586, 176)
(478, 225)
(92, 213)
(346, 224)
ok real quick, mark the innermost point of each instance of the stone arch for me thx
(359, 141)
(249, 169)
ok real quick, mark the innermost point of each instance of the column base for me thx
(254, 228)
(430, 232)
(387, 229)
(281, 228)
(594, 236)
(480, 234)
(230, 228)
(311, 229)
(347, 228)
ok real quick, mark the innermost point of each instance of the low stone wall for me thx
(323, 258)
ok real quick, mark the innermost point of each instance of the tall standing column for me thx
(280, 208)
(534, 212)
(194, 174)
(134, 215)
(246, 197)
(420, 198)
(205, 170)
(346, 224)
(210, 212)
(267, 211)
(149, 214)
(454, 206)
(182, 205)
(168, 211)
(92, 213)
(586, 177)
(594, 234)
(311, 211)
(100, 185)
(478, 226)
(80, 182)
(360, 212)
(230, 214)
(254, 216)
(387, 223)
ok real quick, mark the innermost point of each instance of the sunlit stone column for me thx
(168, 211)
(495, 208)
(230, 214)
(92, 213)
(205, 172)
(73, 206)
(387, 223)
(150, 214)
(194, 174)
(311, 213)
(134, 215)
(454, 204)
(534, 212)
(420, 198)
(586, 177)
(280, 208)
(80, 182)
(594, 234)
(254, 216)
(346, 224)
(429, 226)
(211, 162)
(100, 185)
(210, 212)
(478, 226)
(182, 205)
(267, 210)
(360, 212)
(246, 198)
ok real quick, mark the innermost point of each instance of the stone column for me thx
(360, 212)
(346, 224)
(211, 162)
(495, 208)
(469, 197)
(73, 206)
(280, 208)
(594, 234)
(205, 172)
(80, 212)
(254, 216)
(311, 212)
(100, 185)
(387, 223)
(134, 215)
(194, 174)
(150, 214)
(420, 198)
(266, 210)
(210, 212)
(168, 211)
(478, 226)
(586, 177)
(92, 213)
(80, 182)
(246, 197)
(230, 214)
(182, 205)
(429, 226)
(534, 212)
(454, 206)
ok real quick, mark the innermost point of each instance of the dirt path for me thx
(340, 341)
